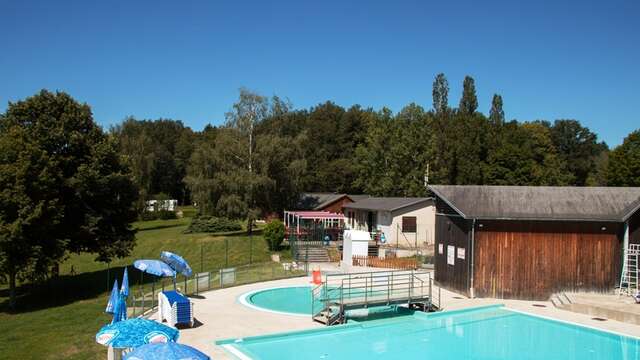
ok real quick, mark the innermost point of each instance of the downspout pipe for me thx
(471, 270)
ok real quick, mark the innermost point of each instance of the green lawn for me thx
(58, 319)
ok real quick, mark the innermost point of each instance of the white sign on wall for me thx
(461, 253)
(440, 249)
(451, 256)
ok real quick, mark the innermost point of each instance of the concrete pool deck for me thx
(219, 315)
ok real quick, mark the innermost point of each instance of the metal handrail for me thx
(365, 287)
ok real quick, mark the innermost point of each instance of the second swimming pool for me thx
(292, 300)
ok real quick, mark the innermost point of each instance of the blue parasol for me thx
(135, 332)
(113, 299)
(120, 309)
(154, 267)
(166, 351)
(176, 262)
(124, 290)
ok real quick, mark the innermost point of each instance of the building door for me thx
(371, 221)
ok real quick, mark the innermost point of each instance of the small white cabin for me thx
(157, 205)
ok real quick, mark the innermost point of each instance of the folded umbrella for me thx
(124, 290)
(113, 299)
(166, 351)
(120, 309)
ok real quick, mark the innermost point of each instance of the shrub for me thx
(274, 234)
(155, 215)
(212, 224)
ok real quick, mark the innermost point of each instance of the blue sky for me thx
(187, 59)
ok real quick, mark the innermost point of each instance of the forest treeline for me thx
(67, 186)
(267, 152)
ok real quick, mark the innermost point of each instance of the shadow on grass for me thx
(255, 232)
(67, 289)
(158, 227)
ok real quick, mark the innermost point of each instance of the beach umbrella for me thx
(135, 332)
(124, 290)
(120, 309)
(176, 262)
(113, 299)
(166, 351)
(154, 267)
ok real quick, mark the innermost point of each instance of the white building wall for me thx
(425, 226)
(390, 224)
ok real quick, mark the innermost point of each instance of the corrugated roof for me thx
(541, 202)
(386, 203)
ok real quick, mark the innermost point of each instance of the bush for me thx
(155, 215)
(212, 224)
(274, 234)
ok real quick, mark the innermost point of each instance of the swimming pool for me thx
(481, 333)
(290, 300)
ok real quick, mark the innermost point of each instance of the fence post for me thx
(226, 252)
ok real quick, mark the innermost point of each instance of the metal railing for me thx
(341, 291)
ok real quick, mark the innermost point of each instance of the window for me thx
(409, 224)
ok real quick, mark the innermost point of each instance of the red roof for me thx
(316, 215)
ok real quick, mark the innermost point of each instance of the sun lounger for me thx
(175, 308)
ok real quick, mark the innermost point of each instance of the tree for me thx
(274, 234)
(440, 94)
(496, 114)
(63, 188)
(241, 170)
(624, 162)
(469, 100)
(578, 148)
(157, 152)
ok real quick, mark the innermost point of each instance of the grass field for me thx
(58, 319)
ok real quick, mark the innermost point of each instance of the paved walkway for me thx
(221, 316)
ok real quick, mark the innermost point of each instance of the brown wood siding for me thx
(336, 206)
(452, 231)
(533, 259)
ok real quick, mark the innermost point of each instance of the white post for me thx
(625, 239)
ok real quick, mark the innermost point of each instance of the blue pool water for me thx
(482, 334)
(295, 299)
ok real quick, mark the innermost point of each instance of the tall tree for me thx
(242, 172)
(496, 114)
(469, 100)
(440, 94)
(62, 188)
(624, 162)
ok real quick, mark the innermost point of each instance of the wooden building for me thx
(528, 242)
